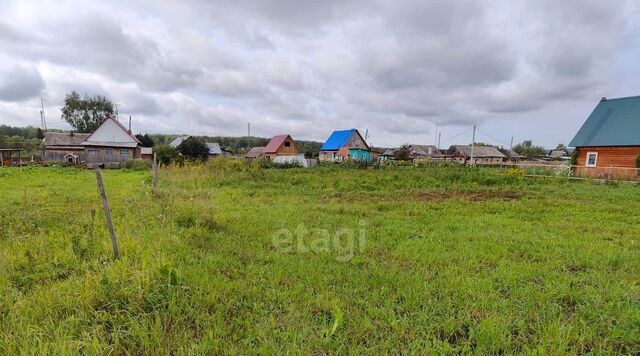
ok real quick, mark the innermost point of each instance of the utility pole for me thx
(42, 117)
(248, 129)
(436, 133)
(116, 111)
(439, 136)
(129, 124)
(511, 145)
(473, 143)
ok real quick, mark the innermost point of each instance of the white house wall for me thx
(110, 131)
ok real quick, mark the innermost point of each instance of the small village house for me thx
(416, 152)
(481, 154)
(558, 154)
(216, 150)
(64, 147)
(146, 153)
(254, 153)
(608, 143)
(280, 145)
(512, 156)
(344, 145)
(178, 141)
(109, 146)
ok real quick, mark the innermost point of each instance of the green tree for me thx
(86, 113)
(146, 140)
(165, 153)
(526, 148)
(561, 146)
(193, 149)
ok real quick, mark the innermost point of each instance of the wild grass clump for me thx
(138, 165)
(285, 165)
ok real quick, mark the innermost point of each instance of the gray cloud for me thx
(395, 67)
(19, 83)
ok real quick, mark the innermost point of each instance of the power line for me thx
(456, 136)
(495, 139)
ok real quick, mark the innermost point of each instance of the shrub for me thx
(138, 165)
(165, 153)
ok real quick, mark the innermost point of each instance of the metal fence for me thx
(565, 170)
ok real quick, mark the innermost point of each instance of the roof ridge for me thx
(622, 98)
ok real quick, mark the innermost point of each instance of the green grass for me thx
(454, 260)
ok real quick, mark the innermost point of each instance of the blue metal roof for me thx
(614, 122)
(337, 140)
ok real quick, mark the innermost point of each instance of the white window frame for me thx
(124, 152)
(595, 162)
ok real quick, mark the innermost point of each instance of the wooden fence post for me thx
(154, 173)
(107, 213)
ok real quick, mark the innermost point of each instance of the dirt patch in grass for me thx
(436, 196)
(473, 195)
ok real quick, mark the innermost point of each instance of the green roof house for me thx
(608, 143)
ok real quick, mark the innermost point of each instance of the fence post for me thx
(107, 213)
(154, 173)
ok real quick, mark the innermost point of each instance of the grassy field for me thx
(230, 259)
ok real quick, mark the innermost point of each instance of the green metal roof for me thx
(614, 122)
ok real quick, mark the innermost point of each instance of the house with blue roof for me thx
(344, 145)
(608, 143)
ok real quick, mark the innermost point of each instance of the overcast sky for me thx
(523, 69)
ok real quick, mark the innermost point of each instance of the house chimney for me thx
(604, 98)
(129, 125)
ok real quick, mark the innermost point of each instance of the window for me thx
(92, 152)
(124, 152)
(287, 144)
(592, 159)
(109, 151)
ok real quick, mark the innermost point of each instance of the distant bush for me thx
(138, 165)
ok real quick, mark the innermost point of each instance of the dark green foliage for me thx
(145, 140)
(193, 149)
(165, 154)
(526, 148)
(574, 158)
(86, 113)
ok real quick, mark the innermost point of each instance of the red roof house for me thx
(281, 145)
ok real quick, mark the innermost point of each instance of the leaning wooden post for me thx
(154, 173)
(107, 213)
